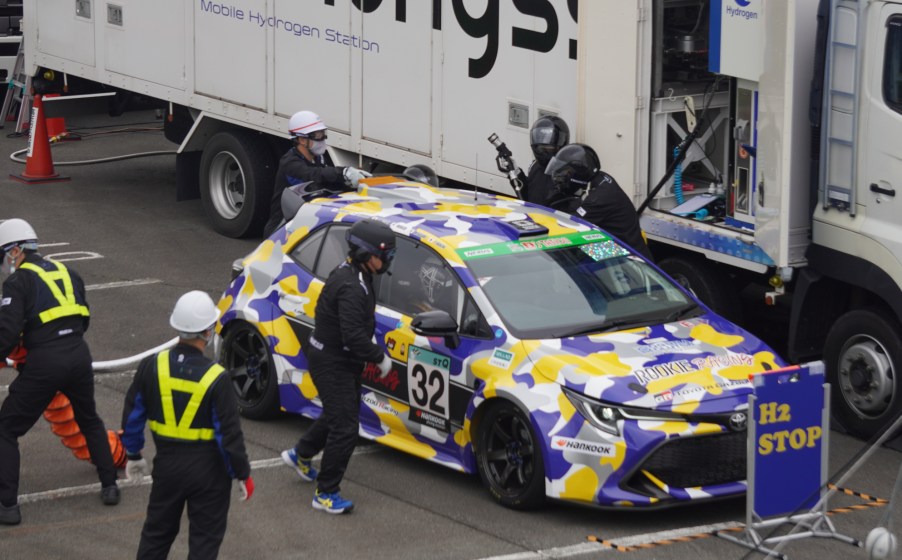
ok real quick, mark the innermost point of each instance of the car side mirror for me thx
(436, 323)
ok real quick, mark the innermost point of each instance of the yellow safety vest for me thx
(67, 305)
(197, 389)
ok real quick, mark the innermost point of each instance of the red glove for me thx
(247, 488)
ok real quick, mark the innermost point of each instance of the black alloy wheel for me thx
(252, 372)
(509, 458)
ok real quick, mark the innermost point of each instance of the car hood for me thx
(700, 365)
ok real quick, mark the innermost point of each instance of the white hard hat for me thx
(304, 123)
(194, 313)
(16, 231)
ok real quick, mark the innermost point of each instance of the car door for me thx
(422, 403)
(314, 257)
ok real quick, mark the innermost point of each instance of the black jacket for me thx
(25, 296)
(608, 207)
(294, 169)
(218, 409)
(345, 314)
(538, 187)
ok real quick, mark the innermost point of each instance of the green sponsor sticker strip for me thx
(532, 244)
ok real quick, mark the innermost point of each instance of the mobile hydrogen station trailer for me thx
(759, 138)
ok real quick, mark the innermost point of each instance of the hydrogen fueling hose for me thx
(123, 363)
(15, 157)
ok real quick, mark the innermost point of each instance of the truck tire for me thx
(863, 358)
(236, 181)
(706, 282)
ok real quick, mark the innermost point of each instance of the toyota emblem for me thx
(738, 421)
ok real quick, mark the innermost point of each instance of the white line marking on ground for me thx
(62, 244)
(632, 540)
(123, 483)
(123, 284)
(74, 256)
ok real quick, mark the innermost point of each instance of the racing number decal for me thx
(428, 376)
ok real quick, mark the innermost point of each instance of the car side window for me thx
(421, 281)
(306, 251)
(334, 251)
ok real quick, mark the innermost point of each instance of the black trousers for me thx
(337, 380)
(63, 366)
(194, 474)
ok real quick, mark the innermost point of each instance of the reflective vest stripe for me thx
(182, 429)
(67, 305)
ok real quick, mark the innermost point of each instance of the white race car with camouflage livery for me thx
(528, 345)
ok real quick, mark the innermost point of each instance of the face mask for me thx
(10, 263)
(318, 148)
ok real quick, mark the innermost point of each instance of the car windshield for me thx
(575, 284)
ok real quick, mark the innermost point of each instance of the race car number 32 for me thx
(427, 386)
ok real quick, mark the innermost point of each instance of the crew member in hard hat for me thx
(193, 418)
(584, 190)
(337, 351)
(44, 307)
(305, 162)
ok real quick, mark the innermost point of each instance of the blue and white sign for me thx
(737, 38)
(789, 441)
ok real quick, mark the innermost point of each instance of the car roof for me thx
(446, 219)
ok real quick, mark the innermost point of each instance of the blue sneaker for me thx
(304, 467)
(331, 503)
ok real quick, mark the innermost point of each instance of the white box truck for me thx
(759, 137)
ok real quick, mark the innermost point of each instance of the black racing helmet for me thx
(370, 237)
(573, 167)
(548, 135)
(422, 174)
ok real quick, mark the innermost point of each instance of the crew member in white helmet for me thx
(304, 163)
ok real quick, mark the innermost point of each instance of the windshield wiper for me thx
(688, 310)
(606, 326)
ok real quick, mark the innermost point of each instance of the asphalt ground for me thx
(118, 224)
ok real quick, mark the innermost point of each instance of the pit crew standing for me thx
(547, 135)
(199, 445)
(304, 162)
(337, 351)
(44, 307)
(584, 190)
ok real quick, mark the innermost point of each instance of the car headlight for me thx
(607, 417)
(603, 416)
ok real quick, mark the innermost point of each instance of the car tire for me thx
(252, 372)
(863, 358)
(706, 282)
(237, 172)
(509, 457)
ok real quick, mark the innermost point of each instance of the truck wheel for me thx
(509, 458)
(236, 181)
(863, 357)
(706, 282)
(246, 357)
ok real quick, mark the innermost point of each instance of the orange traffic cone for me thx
(39, 165)
(56, 126)
(62, 423)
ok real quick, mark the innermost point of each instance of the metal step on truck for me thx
(759, 138)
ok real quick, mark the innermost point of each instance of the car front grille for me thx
(696, 461)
